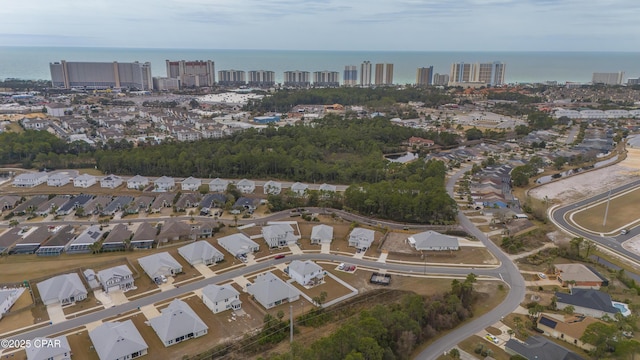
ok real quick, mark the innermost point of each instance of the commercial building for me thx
(326, 78)
(297, 78)
(424, 76)
(262, 78)
(635, 81)
(165, 84)
(192, 73)
(608, 78)
(481, 73)
(101, 75)
(384, 74)
(365, 73)
(232, 78)
(350, 77)
(440, 79)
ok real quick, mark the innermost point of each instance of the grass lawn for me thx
(89, 303)
(81, 345)
(622, 212)
(466, 255)
(469, 345)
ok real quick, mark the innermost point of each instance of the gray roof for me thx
(61, 287)
(577, 272)
(162, 199)
(177, 319)
(322, 232)
(165, 180)
(89, 236)
(153, 264)
(61, 237)
(174, 228)
(588, 298)
(237, 244)
(138, 179)
(9, 237)
(537, 347)
(431, 238)
(145, 232)
(199, 251)
(48, 349)
(298, 186)
(219, 292)
(77, 201)
(192, 181)
(32, 203)
(98, 201)
(304, 267)
(118, 235)
(268, 288)
(36, 237)
(116, 271)
(363, 236)
(210, 200)
(114, 340)
(118, 204)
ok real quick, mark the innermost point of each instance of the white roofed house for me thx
(219, 298)
(306, 273)
(433, 241)
(62, 289)
(116, 278)
(160, 264)
(200, 252)
(238, 245)
(269, 290)
(191, 184)
(327, 188)
(321, 234)
(279, 235)
(84, 181)
(30, 179)
(218, 185)
(57, 348)
(8, 297)
(164, 183)
(58, 179)
(272, 187)
(137, 182)
(246, 186)
(361, 238)
(299, 188)
(178, 323)
(118, 341)
(111, 181)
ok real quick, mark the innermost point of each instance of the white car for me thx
(542, 276)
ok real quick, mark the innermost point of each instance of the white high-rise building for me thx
(101, 75)
(477, 73)
(350, 77)
(262, 78)
(365, 74)
(608, 78)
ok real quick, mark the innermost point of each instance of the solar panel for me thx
(547, 322)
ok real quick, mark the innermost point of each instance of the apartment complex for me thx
(424, 76)
(297, 78)
(440, 79)
(192, 73)
(350, 77)
(232, 78)
(262, 78)
(477, 73)
(365, 73)
(608, 78)
(384, 74)
(101, 75)
(326, 78)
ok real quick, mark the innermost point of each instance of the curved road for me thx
(559, 216)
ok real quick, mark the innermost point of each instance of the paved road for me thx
(507, 270)
(183, 289)
(558, 216)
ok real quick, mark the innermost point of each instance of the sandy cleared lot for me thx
(592, 182)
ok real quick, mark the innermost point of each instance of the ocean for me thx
(32, 63)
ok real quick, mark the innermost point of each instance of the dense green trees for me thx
(24, 147)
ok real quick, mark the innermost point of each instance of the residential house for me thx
(537, 347)
(30, 179)
(58, 242)
(116, 278)
(137, 182)
(111, 181)
(8, 297)
(96, 205)
(84, 181)
(30, 205)
(218, 185)
(326, 190)
(203, 229)
(579, 276)
(92, 279)
(31, 240)
(191, 184)
(246, 186)
(8, 202)
(58, 179)
(84, 242)
(144, 237)
(200, 252)
(361, 238)
(420, 142)
(299, 188)
(120, 203)
(306, 273)
(63, 289)
(164, 184)
(141, 203)
(433, 241)
(51, 205)
(186, 201)
(279, 235)
(212, 201)
(178, 323)
(244, 203)
(589, 302)
(219, 298)
(238, 245)
(160, 264)
(73, 204)
(9, 238)
(57, 348)
(164, 200)
(272, 187)
(117, 239)
(116, 340)
(174, 230)
(569, 328)
(321, 234)
(270, 291)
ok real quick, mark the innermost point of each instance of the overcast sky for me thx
(422, 25)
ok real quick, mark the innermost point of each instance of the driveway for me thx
(204, 270)
(56, 314)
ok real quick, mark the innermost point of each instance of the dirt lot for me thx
(81, 345)
(85, 305)
(466, 255)
(622, 212)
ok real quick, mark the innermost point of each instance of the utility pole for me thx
(606, 210)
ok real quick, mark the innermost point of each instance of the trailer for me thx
(380, 279)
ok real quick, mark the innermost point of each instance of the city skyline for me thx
(531, 25)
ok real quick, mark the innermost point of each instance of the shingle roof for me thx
(587, 298)
(145, 232)
(61, 287)
(177, 319)
(118, 235)
(537, 347)
(304, 267)
(433, 239)
(114, 340)
(120, 270)
(322, 232)
(577, 272)
(219, 292)
(199, 251)
(268, 288)
(152, 264)
(48, 349)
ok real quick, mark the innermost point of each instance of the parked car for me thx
(492, 338)
(279, 256)
(624, 232)
(542, 276)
